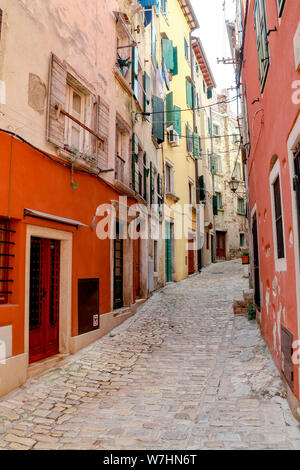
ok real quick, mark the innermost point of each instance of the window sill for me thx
(124, 84)
(78, 163)
(173, 197)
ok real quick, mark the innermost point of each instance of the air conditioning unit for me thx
(173, 138)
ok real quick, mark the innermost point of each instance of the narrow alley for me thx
(182, 373)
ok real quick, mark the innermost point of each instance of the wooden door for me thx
(137, 268)
(44, 298)
(168, 253)
(118, 270)
(191, 256)
(256, 263)
(221, 245)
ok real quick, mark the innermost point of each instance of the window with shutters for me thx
(191, 193)
(163, 7)
(219, 201)
(189, 94)
(216, 129)
(158, 118)
(262, 43)
(186, 50)
(169, 171)
(78, 120)
(76, 105)
(277, 217)
(124, 52)
(280, 5)
(241, 206)
(122, 145)
(189, 139)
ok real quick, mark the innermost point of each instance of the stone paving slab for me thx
(183, 373)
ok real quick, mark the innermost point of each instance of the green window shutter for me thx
(280, 4)
(186, 49)
(189, 94)
(215, 205)
(200, 145)
(135, 71)
(209, 92)
(158, 128)
(151, 184)
(153, 40)
(168, 53)
(169, 110)
(213, 164)
(262, 44)
(135, 158)
(202, 189)
(146, 174)
(174, 71)
(187, 132)
(195, 144)
(209, 126)
(147, 96)
(177, 119)
(159, 189)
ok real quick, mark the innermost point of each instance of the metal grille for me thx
(6, 245)
(36, 283)
(54, 282)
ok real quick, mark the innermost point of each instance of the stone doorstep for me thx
(45, 364)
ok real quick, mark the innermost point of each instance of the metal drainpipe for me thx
(199, 250)
(213, 186)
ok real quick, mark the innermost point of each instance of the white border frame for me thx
(280, 263)
(65, 283)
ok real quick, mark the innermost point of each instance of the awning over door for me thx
(53, 218)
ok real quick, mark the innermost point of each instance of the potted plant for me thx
(245, 257)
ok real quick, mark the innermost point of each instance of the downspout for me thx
(198, 234)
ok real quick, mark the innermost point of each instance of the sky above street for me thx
(213, 35)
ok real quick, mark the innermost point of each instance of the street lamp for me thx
(233, 184)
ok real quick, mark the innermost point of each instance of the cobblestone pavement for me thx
(181, 374)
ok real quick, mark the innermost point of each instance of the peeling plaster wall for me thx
(271, 121)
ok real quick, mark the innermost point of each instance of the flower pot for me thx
(245, 259)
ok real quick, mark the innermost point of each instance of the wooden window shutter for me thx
(195, 144)
(159, 189)
(168, 53)
(174, 71)
(202, 189)
(169, 110)
(57, 97)
(215, 204)
(147, 96)
(177, 119)
(158, 128)
(151, 184)
(189, 94)
(187, 127)
(103, 130)
(146, 175)
(209, 92)
(135, 159)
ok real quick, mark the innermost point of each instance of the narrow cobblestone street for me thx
(181, 374)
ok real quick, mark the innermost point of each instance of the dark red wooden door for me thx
(137, 268)
(221, 245)
(44, 298)
(191, 256)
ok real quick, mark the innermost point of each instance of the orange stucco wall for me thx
(270, 122)
(35, 182)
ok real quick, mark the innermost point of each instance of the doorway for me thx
(44, 298)
(221, 246)
(191, 255)
(118, 268)
(256, 263)
(168, 252)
